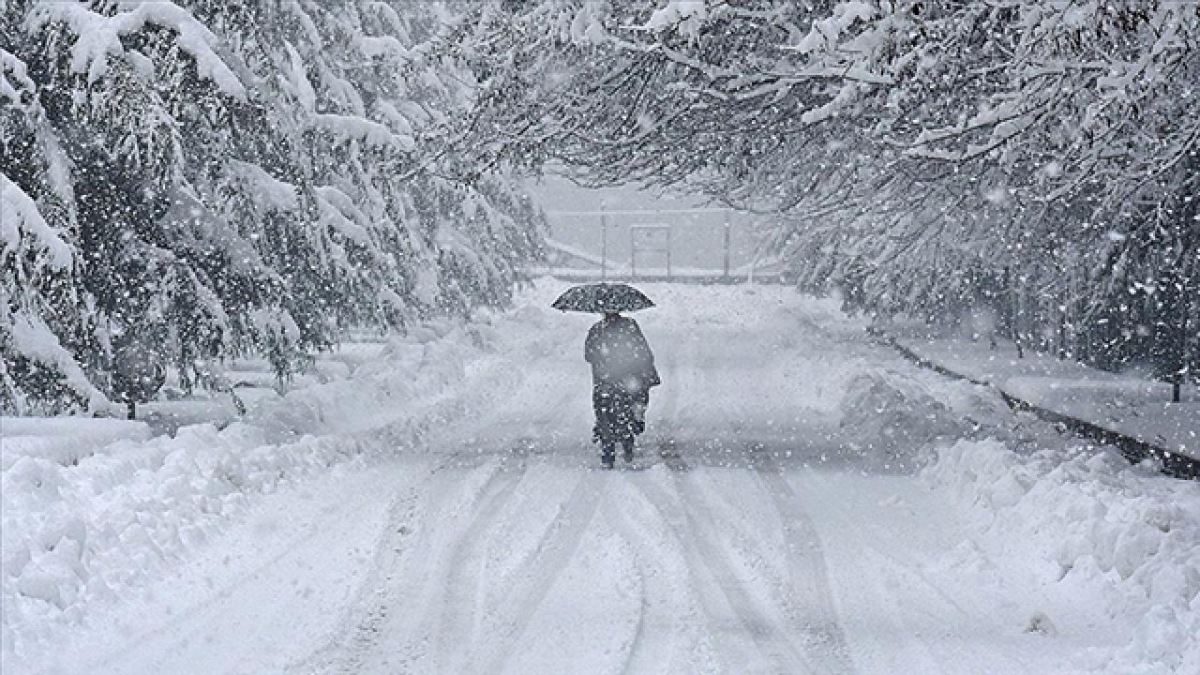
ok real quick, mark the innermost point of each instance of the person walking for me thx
(622, 363)
(622, 374)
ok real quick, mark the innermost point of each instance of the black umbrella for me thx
(601, 298)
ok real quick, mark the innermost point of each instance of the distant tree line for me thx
(205, 179)
(1036, 161)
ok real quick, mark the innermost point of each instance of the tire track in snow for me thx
(805, 601)
(361, 625)
(175, 631)
(815, 616)
(636, 651)
(465, 578)
(671, 513)
(365, 615)
(771, 634)
(402, 599)
(666, 628)
(557, 547)
(733, 613)
(428, 605)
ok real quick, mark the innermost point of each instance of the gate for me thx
(649, 242)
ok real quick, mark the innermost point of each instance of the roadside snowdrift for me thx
(93, 508)
(1097, 529)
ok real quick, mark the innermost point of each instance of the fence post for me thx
(632, 254)
(725, 267)
(669, 229)
(603, 242)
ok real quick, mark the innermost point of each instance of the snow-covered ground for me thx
(1130, 404)
(804, 502)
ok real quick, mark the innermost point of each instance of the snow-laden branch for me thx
(23, 221)
(98, 38)
(362, 129)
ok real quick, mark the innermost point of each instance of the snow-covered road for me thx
(785, 515)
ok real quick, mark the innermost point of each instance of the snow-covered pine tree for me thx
(45, 319)
(240, 177)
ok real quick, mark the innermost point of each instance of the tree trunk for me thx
(1175, 326)
(1062, 331)
(1017, 311)
(1181, 336)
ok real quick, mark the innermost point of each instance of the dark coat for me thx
(620, 355)
(622, 373)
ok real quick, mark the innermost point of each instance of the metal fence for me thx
(687, 245)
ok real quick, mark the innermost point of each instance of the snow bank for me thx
(1098, 530)
(63, 440)
(893, 413)
(92, 509)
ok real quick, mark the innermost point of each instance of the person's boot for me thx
(628, 450)
(607, 455)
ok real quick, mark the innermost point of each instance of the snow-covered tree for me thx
(237, 177)
(927, 155)
(44, 318)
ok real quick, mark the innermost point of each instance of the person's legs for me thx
(608, 454)
(624, 417)
(605, 431)
(617, 420)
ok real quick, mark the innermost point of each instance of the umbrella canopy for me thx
(601, 298)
